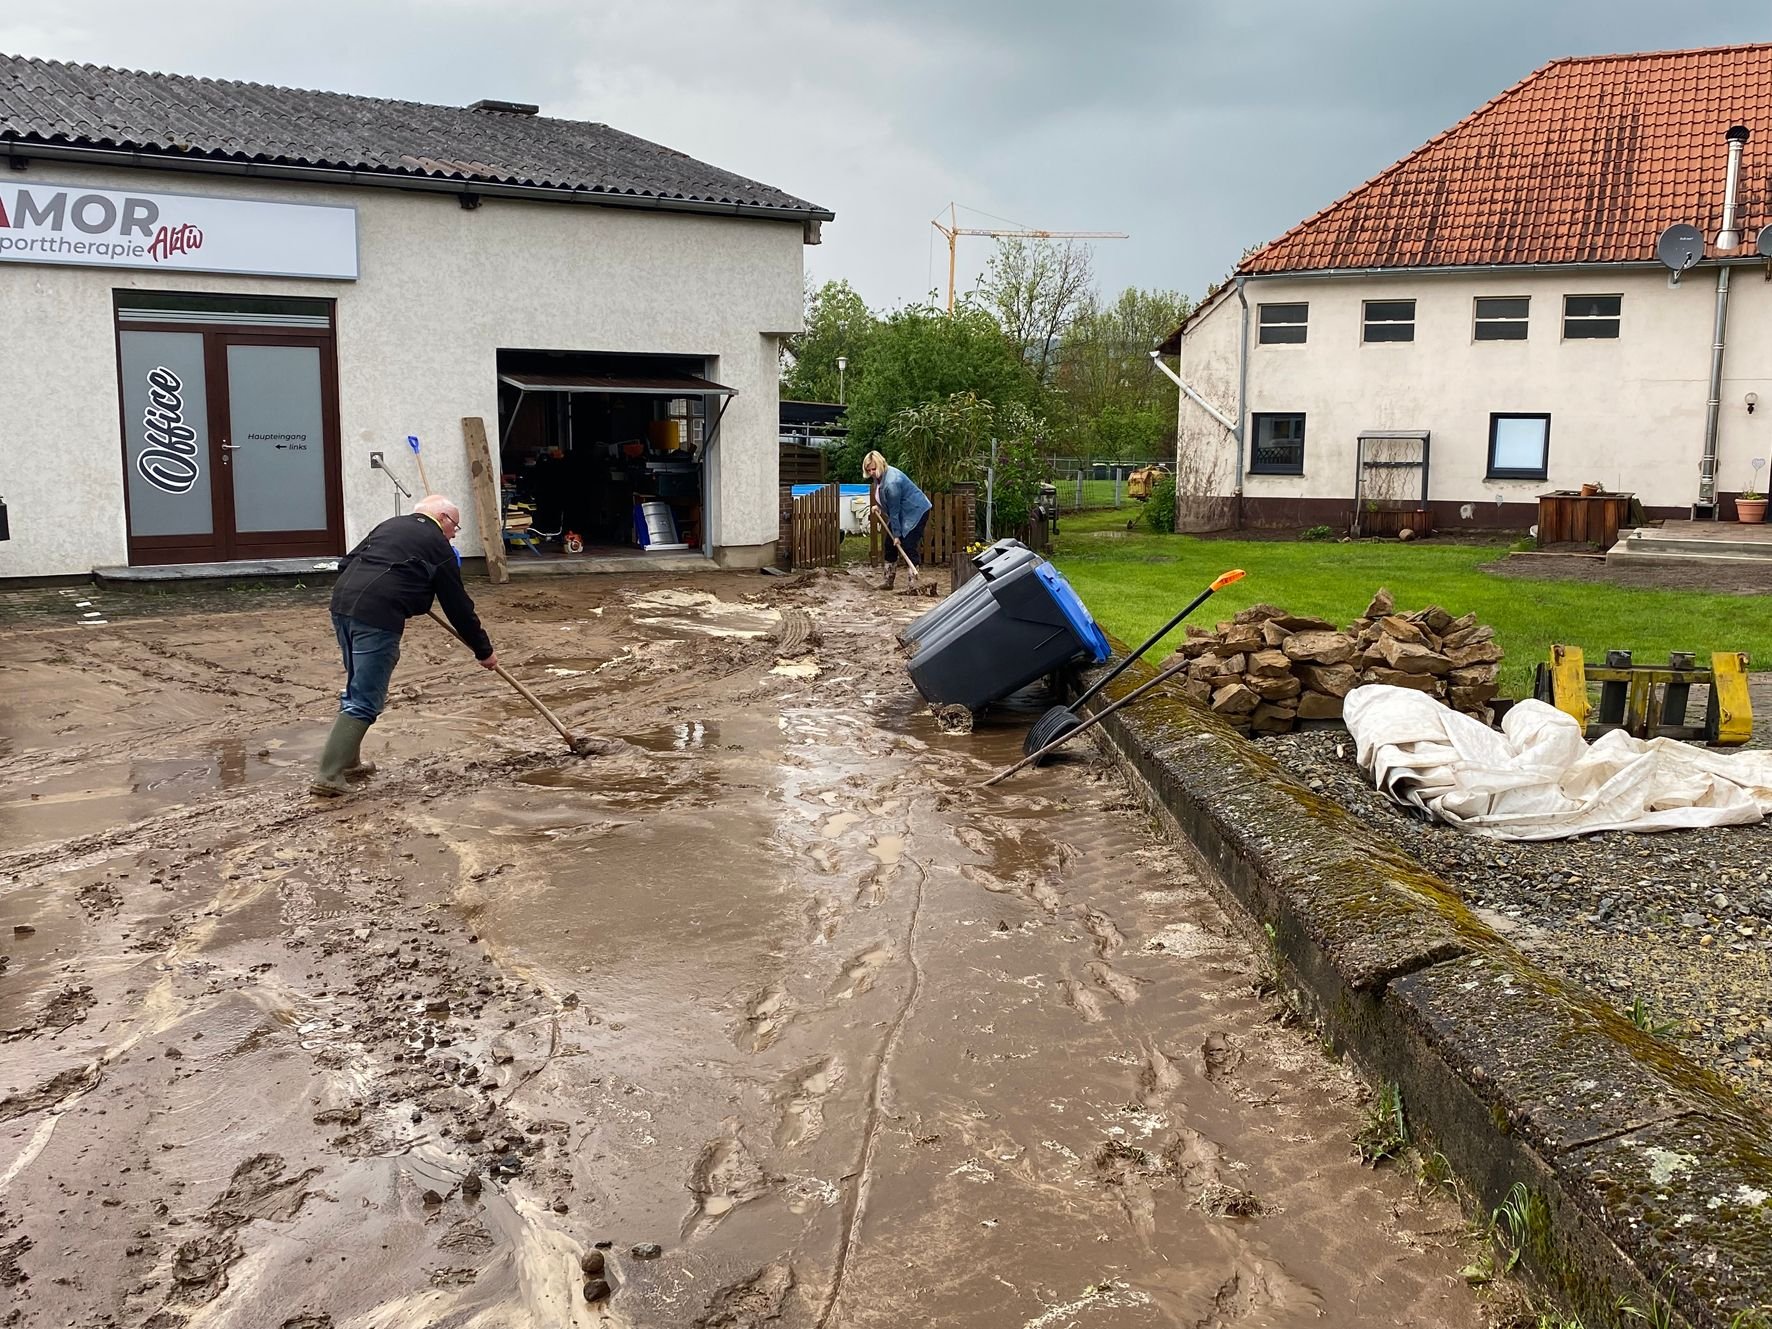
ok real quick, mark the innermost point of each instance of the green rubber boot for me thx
(339, 756)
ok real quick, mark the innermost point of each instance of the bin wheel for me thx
(953, 719)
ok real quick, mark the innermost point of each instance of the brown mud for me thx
(762, 1016)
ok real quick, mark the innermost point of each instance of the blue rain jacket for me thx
(903, 504)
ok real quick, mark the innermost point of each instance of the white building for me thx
(223, 300)
(1492, 306)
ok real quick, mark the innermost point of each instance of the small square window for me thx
(1586, 317)
(1519, 447)
(1388, 320)
(1279, 445)
(1282, 324)
(1502, 317)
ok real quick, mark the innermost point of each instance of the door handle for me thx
(230, 447)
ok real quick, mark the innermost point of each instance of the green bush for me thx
(1317, 533)
(1159, 511)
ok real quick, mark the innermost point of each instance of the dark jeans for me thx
(370, 655)
(913, 543)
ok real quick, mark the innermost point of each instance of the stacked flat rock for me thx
(1267, 669)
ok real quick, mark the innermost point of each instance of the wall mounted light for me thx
(1753, 400)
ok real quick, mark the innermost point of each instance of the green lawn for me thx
(1133, 581)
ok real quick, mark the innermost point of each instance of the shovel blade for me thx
(1055, 724)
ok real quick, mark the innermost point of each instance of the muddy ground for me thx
(764, 1015)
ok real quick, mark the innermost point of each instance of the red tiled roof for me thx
(1584, 161)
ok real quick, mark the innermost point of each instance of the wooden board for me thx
(483, 485)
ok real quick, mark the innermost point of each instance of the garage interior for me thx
(603, 455)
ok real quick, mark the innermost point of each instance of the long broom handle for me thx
(1225, 579)
(527, 695)
(1090, 723)
(895, 544)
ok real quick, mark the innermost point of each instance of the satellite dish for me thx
(1679, 247)
(1763, 246)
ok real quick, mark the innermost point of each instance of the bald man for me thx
(388, 578)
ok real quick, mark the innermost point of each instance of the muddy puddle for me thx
(763, 1016)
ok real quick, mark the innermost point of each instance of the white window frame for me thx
(1591, 320)
(1263, 326)
(1367, 323)
(1479, 320)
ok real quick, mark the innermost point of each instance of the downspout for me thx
(1242, 396)
(1727, 239)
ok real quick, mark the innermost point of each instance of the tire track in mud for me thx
(856, 1199)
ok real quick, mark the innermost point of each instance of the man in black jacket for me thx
(388, 578)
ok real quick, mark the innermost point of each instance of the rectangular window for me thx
(1519, 447)
(1282, 324)
(1388, 320)
(1502, 317)
(1590, 316)
(1279, 445)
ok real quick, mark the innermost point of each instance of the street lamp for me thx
(842, 364)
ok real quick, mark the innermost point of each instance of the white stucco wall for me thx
(1628, 414)
(441, 290)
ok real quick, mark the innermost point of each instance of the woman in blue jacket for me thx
(903, 505)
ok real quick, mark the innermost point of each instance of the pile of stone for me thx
(1266, 669)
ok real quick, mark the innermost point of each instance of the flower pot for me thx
(1750, 510)
(1588, 491)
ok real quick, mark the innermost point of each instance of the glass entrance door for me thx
(275, 450)
(230, 444)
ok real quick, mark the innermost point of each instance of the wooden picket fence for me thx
(815, 531)
(953, 518)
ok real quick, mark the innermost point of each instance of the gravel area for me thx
(1677, 924)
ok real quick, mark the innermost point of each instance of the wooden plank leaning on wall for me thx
(488, 505)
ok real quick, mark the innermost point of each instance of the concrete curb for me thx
(1646, 1177)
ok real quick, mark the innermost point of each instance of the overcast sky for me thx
(1199, 128)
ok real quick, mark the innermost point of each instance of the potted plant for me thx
(1750, 507)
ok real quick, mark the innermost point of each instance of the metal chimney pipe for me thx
(1728, 238)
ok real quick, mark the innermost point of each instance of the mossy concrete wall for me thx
(1655, 1177)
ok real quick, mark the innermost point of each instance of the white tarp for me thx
(1539, 778)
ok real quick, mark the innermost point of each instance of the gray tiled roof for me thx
(173, 116)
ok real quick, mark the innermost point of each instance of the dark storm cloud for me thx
(1200, 128)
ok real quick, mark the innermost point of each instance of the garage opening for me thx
(603, 455)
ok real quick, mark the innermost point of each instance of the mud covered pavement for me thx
(762, 1015)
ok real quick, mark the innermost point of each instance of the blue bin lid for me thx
(1076, 614)
(845, 491)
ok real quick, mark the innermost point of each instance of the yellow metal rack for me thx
(1648, 701)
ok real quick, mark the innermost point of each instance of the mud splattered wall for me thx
(441, 289)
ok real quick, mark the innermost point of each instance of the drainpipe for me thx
(1242, 397)
(1727, 239)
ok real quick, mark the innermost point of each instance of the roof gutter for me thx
(19, 151)
(1469, 269)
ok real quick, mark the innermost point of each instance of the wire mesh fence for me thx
(1083, 484)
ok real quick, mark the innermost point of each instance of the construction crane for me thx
(953, 231)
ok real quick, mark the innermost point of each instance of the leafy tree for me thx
(942, 443)
(1034, 290)
(1019, 467)
(1113, 401)
(838, 323)
(919, 355)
